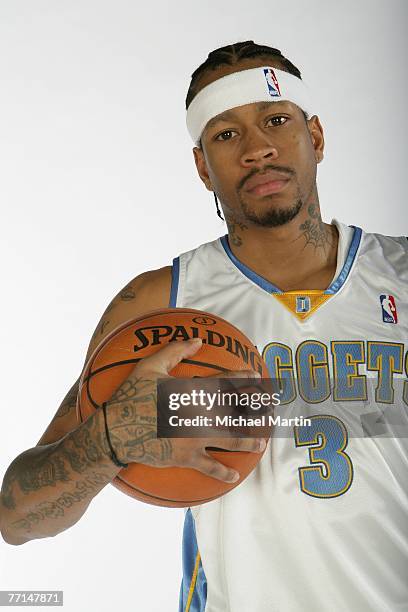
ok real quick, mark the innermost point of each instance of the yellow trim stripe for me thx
(193, 582)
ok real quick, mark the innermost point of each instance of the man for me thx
(322, 521)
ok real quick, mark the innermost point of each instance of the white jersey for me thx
(322, 522)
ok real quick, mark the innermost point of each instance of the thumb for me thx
(168, 357)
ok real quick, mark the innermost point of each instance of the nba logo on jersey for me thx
(389, 309)
(272, 82)
(302, 303)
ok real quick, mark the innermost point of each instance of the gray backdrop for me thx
(98, 184)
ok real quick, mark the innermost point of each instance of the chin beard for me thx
(272, 217)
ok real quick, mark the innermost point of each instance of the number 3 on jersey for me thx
(331, 472)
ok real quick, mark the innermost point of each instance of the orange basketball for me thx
(224, 348)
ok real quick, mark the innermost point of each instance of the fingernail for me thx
(233, 477)
(257, 375)
(262, 445)
(195, 340)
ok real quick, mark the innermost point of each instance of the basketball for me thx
(224, 347)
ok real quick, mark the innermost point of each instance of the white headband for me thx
(244, 87)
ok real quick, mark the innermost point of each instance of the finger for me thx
(232, 380)
(252, 445)
(209, 466)
(168, 357)
(241, 381)
(236, 374)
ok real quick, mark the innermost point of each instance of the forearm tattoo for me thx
(84, 449)
(82, 490)
(132, 423)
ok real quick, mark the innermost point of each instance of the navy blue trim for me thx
(345, 271)
(270, 288)
(190, 551)
(175, 273)
(253, 276)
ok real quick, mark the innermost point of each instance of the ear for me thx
(317, 137)
(201, 166)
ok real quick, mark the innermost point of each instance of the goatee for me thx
(272, 217)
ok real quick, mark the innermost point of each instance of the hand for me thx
(132, 420)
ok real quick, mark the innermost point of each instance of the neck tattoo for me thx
(233, 228)
(314, 230)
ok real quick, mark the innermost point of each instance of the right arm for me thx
(47, 488)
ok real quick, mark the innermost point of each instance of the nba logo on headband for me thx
(272, 82)
(244, 87)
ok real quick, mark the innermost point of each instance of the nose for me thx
(257, 150)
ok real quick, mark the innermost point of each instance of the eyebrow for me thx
(229, 115)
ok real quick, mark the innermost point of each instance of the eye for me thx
(277, 117)
(226, 135)
(222, 134)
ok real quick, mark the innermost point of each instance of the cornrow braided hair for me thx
(231, 55)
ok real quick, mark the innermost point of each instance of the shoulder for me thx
(384, 257)
(146, 288)
(147, 291)
(389, 243)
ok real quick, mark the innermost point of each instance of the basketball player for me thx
(321, 524)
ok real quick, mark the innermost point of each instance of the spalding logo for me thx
(154, 334)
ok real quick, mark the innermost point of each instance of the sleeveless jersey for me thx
(322, 522)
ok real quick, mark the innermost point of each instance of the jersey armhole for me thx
(175, 274)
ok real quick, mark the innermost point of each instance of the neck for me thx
(299, 255)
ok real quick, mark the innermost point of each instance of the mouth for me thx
(268, 188)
